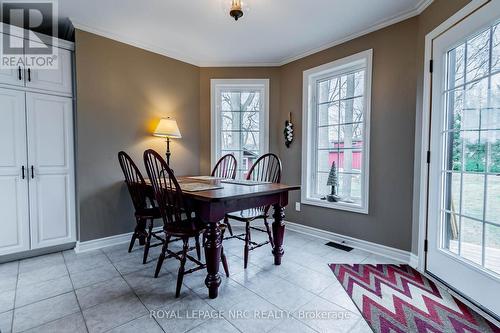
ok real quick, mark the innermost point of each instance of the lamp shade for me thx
(167, 128)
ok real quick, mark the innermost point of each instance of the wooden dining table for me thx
(213, 204)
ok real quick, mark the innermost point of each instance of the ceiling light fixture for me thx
(236, 9)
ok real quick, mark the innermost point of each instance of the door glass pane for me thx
(474, 151)
(478, 54)
(492, 247)
(452, 232)
(473, 195)
(453, 181)
(472, 240)
(496, 49)
(456, 67)
(471, 136)
(493, 199)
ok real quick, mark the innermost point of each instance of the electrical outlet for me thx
(297, 206)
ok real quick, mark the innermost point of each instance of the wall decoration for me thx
(288, 131)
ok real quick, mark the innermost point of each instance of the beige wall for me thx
(396, 96)
(391, 141)
(206, 74)
(122, 91)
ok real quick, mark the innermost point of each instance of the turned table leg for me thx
(278, 233)
(213, 248)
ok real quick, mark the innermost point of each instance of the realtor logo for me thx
(25, 47)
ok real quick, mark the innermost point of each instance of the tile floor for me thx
(109, 290)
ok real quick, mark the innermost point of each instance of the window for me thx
(336, 127)
(240, 121)
(470, 167)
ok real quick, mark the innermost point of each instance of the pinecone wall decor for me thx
(288, 131)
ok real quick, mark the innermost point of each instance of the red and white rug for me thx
(399, 299)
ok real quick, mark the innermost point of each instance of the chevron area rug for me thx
(399, 299)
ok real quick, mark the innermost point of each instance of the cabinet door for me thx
(51, 169)
(14, 219)
(58, 79)
(14, 76)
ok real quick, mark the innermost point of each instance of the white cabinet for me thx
(37, 179)
(58, 79)
(7, 75)
(37, 168)
(51, 165)
(14, 219)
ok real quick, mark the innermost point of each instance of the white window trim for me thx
(215, 86)
(337, 67)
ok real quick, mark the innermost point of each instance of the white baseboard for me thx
(386, 251)
(100, 243)
(413, 261)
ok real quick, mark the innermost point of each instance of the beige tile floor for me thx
(109, 290)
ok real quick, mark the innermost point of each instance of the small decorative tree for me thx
(333, 181)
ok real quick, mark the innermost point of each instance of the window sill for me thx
(335, 205)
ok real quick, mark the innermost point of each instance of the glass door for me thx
(464, 189)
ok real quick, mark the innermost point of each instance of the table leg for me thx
(213, 248)
(278, 233)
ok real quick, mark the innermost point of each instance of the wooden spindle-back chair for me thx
(267, 168)
(144, 205)
(178, 220)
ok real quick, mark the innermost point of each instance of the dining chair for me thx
(178, 220)
(266, 169)
(144, 205)
(226, 168)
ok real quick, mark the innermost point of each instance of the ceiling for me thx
(272, 32)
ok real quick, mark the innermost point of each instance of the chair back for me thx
(134, 180)
(225, 167)
(167, 192)
(266, 169)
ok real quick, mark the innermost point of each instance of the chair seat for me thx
(151, 213)
(248, 215)
(184, 229)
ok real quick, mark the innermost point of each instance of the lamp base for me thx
(168, 151)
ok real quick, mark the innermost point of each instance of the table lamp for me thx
(167, 128)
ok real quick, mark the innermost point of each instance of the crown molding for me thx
(418, 9)
(135, 43)
(423, 5)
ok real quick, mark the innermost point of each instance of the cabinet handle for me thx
(23, 172)
(19, 73)
(29, 74)
(32, 172)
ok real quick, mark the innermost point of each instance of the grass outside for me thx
(473, 206)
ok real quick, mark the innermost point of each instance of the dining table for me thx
(212, 198)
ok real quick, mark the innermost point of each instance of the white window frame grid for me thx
(242, 85)
(309, 129)
(446, 173)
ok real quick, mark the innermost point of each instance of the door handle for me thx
(19, 73)
(32, 172)
(29, 74)
(22, 172)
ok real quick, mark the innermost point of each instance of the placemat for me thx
(205, 178)
(244, 182)
(197, 187)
